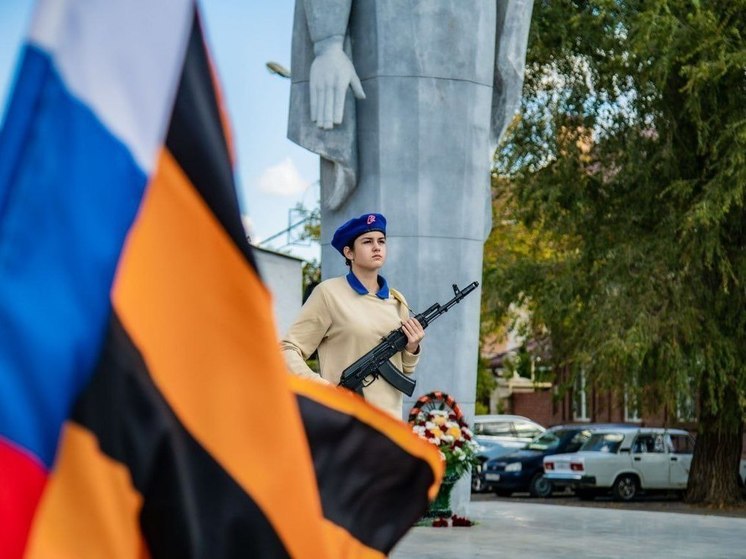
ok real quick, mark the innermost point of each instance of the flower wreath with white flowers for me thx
(437, 418)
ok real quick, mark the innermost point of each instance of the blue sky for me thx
(273, 173)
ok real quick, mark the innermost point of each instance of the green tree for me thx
(623, 185)
(311, 276)
(486, 384)
(310, 223)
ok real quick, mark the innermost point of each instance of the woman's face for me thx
(369, 251)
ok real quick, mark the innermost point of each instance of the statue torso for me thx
(450, 39)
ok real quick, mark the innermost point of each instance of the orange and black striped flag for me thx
(145, 410)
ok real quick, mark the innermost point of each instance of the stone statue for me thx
(405, 101)
(322, 68)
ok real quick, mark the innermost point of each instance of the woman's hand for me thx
(414, 332)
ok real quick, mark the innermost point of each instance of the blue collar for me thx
(383, 287)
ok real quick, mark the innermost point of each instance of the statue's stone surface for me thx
(441, 79)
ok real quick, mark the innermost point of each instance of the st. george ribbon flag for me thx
(145, 410)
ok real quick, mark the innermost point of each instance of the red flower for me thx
(461, 521)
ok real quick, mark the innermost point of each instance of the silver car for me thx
(498, 435)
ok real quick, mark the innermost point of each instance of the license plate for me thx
(561, 466)
(492, 477)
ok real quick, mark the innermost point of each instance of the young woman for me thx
(345, 317)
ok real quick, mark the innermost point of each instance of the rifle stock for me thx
(376, 362)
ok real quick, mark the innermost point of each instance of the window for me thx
(649, 442)
(685, 407)
(577, 441)
(494, 429)
(604, 442)
(544, 442)
(680, 444)
(580, 398)
(631, 406)
(524, 429)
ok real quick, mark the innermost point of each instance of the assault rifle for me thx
(376, 361)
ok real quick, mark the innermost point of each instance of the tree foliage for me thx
(486, 384)
(310, 230)
(619, 205)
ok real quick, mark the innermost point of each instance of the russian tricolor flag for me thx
(144, 406)
(83, 131)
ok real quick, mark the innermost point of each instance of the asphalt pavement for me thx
(525, 530)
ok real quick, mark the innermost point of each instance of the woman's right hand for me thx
(414, 332)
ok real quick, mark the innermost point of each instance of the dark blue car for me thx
(523, 470)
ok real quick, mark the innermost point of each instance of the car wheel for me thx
(503, 492)
(625, 488)
(540, 486)
(477, 485)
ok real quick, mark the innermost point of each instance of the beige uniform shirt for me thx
(344, 325)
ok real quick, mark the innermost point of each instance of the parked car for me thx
(523, 470)
(498, 435)
(625, 461)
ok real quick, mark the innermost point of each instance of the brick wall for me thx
(604, 408)
(537, 406)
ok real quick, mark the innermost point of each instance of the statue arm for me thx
(326, 18)
(513, 24)
(332, 72)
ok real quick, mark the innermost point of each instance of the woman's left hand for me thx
(414, 332)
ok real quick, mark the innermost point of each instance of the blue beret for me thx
(351, 230)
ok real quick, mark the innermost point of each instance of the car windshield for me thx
(493, 428)
(545, 441)
(603, 442)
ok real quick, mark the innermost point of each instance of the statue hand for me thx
(332, 73)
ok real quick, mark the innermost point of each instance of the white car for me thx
(625, 460)
(497, 435)
(507, 431)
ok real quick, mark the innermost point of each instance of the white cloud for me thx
(248, 227)
(282, 179)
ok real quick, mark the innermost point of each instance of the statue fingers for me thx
(357, 87)
(339, 103)
(313, 102)
(320, 104)
(328, 107)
